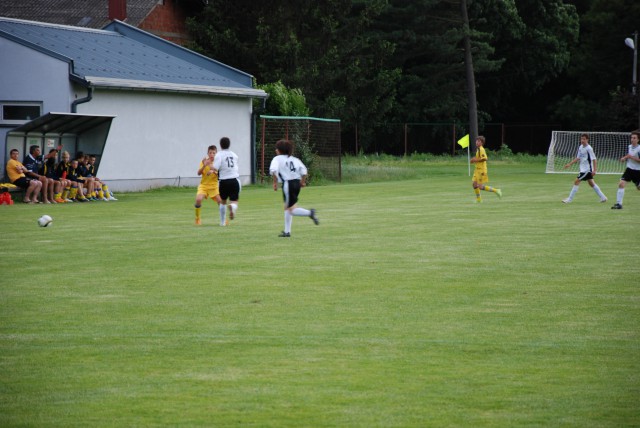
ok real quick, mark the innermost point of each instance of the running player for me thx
(588, 164)
(480, 176)
(226, 165)
(632, 172)
(208, 188)
(291, 172)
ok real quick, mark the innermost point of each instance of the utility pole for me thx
(471, 80)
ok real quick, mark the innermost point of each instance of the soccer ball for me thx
(45, 221)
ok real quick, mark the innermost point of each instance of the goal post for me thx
(316, 142)
(609, 147)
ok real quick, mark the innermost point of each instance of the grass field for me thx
(410, 305)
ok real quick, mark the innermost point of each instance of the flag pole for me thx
(464, 142)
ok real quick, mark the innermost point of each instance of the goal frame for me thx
(609, 147)
(317, 143)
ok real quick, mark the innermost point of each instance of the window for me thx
(19, 113)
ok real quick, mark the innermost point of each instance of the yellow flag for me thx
(464, 141)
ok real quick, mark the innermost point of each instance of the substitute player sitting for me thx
(208, 188)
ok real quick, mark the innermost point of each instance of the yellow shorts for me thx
(209, 192)
(480, 177)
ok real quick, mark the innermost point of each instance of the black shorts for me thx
(22, 182)
(585, 176)
(290, 192)
(229, 189)
(631, 175)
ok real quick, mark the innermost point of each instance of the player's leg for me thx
(51, 190)
(476, 189)
(574, 189)
(234, 196)
(620, 194)
(286, 197)
(596, 189)
(488, 188)
(294, 193)
(198, 205)
(32, 188)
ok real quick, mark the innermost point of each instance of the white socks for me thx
(574, 189)
(620, 195)
(301, 212)
(599, 192)
(223, 213)
(288, 219)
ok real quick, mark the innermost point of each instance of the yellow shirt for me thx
(208, 180)
(12, 170)
(481, 154)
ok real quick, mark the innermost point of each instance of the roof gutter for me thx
(89, 97)
(142, 85)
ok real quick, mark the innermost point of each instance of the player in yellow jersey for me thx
(480, 176)
(208, 188)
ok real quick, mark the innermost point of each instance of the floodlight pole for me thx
(635, 71)
(633, 44)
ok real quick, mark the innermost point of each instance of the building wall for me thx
(167, 20)
(28, 75)
(159, 138)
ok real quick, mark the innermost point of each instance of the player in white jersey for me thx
(632, 172)
(226, 163)
(588, 163)
(291, 172)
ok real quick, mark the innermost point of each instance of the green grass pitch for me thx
(410, 305)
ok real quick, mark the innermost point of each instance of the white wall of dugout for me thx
(158, 138)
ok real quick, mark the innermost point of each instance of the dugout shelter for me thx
(74, 132)
(165, 103)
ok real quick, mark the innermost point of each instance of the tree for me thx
(533, 38)
(373, 63)
(323, 48)
(283, 101)
(601, 68)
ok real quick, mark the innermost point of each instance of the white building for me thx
(147, 107)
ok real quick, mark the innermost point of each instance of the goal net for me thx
(609, 147)
(316, 143)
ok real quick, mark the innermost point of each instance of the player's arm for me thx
(273, 170)
(571, 163)
(595, 167)
(202, 166)
(302, 168)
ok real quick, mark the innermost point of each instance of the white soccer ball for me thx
(45, 221)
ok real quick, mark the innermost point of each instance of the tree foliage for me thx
(283, 101)
(373, 63)
(601, 68)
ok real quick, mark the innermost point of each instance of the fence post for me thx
(262, 150)
(405, 140)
